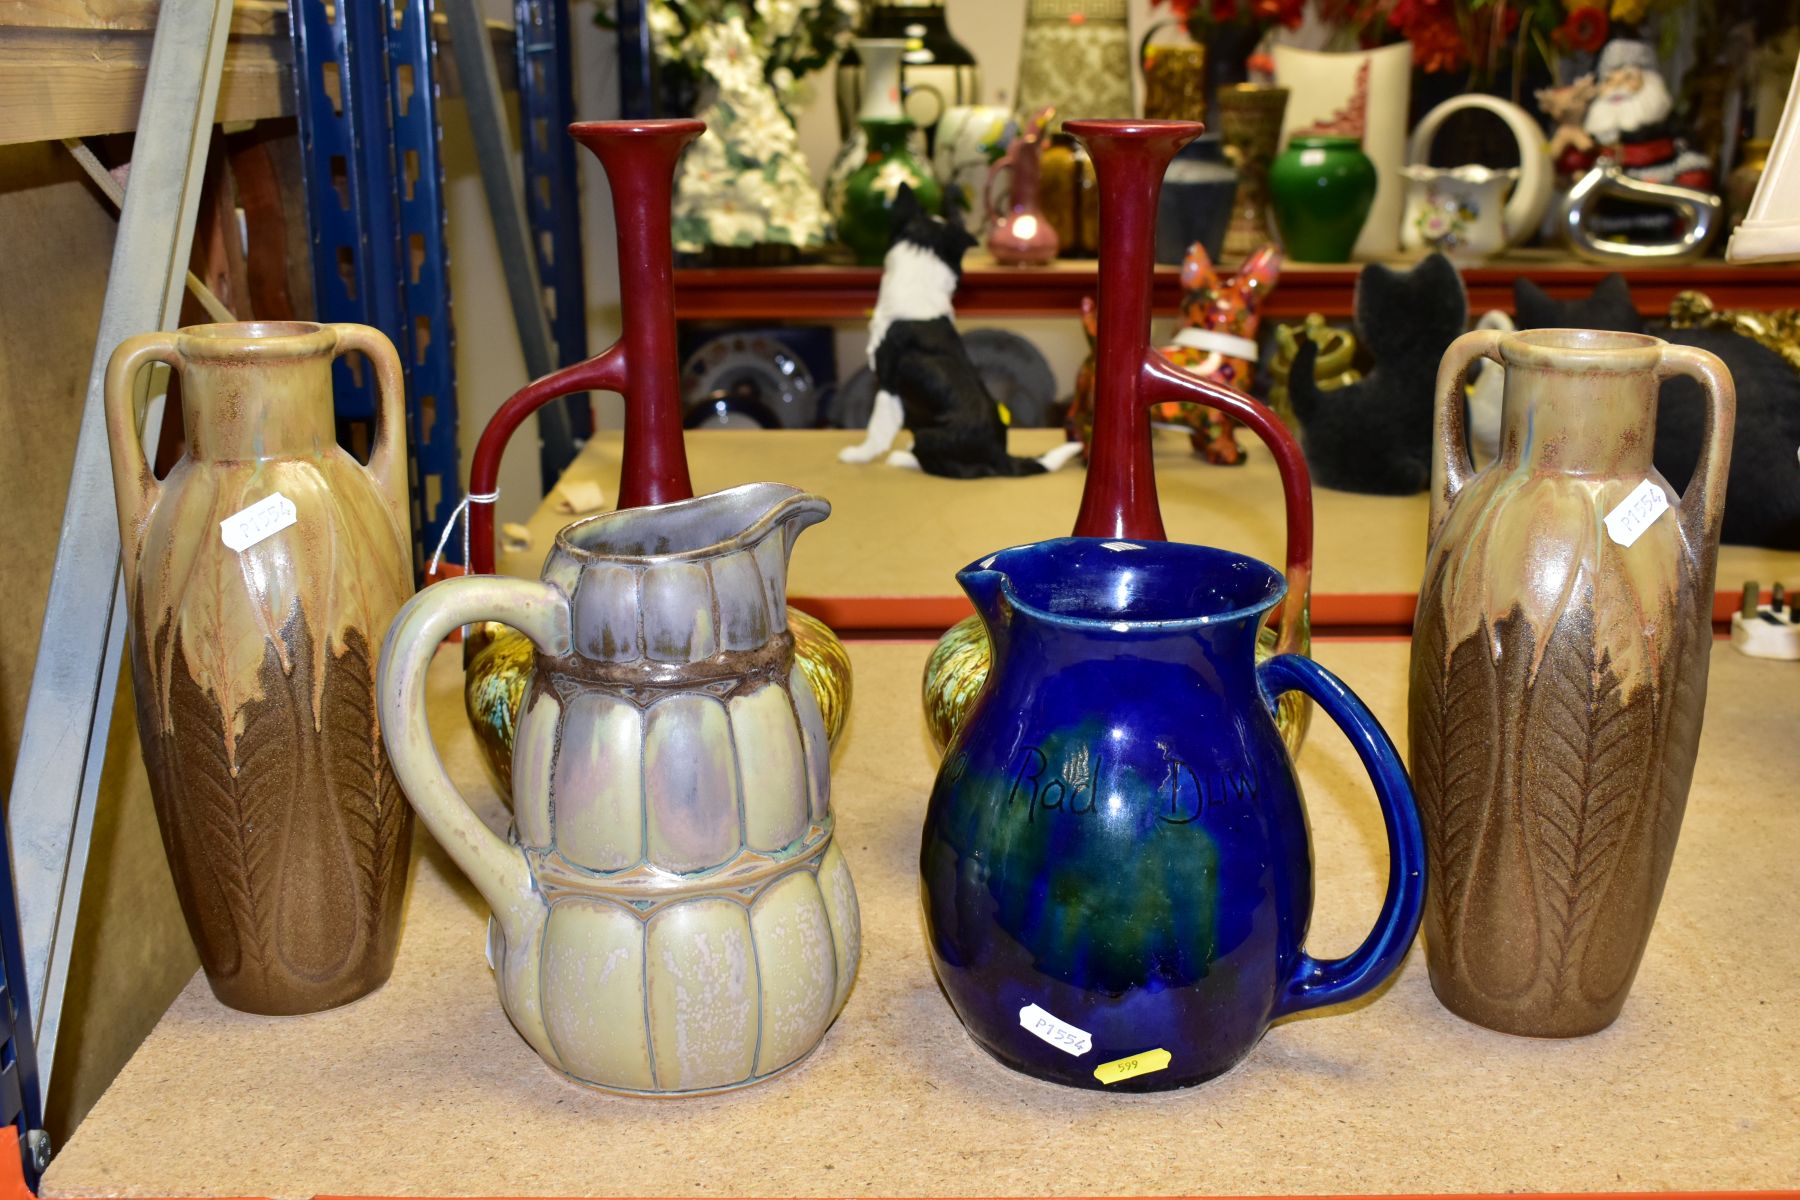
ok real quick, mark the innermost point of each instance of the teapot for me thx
(1465, 211)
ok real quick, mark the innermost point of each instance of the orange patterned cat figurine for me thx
(1216, 340)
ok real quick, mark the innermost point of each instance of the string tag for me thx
(461, 514)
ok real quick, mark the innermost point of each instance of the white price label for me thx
(1637, 512)
(1061, 1034)
(248, 526)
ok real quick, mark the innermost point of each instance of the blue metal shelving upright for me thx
(552, 188)
(19, 1101)
(366, 92)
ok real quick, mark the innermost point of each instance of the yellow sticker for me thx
(1138, 1064)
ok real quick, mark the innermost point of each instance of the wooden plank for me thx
(56, 84)
(71, 68)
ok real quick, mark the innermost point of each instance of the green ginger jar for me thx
(1321, 188)
(868, 194)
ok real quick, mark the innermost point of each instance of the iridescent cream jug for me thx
(672, 915)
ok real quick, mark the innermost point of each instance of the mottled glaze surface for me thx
(671, 915)
(1558, 677)
(254, 669)
(1116, 836)
(499, 670)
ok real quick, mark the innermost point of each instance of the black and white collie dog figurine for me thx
(925, 380)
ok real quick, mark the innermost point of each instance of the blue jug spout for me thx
(987, 591)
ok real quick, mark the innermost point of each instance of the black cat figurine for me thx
(1762, 495)
(1375, 435)
(925, 379)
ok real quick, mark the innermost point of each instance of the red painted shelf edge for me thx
(934, 614)
(843, 293)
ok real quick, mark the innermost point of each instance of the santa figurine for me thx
(1629, 118)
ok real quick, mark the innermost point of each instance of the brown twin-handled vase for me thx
(262, 575)
(1559, 663)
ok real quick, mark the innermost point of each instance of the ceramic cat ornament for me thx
(1216, 340)
(925, 379)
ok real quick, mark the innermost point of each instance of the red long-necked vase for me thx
(640, 158)
(1131, 376)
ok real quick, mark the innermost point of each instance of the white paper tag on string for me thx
(248, 526)
(1061, 1034)
(1635, 513)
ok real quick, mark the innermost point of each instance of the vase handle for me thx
(605, 372)
(387, 459)
(1144, 43)
(135, 488)
(496, 867)
(1006, 162)
(1314, 983)
(1451, 466)
(1703, 504)
(1163, 382)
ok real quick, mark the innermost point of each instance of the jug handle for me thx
(497, 868)
(1702, 507)
(387, 459)
(1314, 983)
(1451, 466)
(135, 489)
(1164, 381)
(605, 372)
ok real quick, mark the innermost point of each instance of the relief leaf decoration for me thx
(356, 763)
(1583, 771)
(235, 808)
(1453, 724)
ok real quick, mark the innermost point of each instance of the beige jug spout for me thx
(497, 868)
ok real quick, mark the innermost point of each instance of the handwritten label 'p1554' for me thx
(1636, 513)
(248, 526)
(1061, 1034)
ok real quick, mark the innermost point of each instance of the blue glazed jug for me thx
(1116, 865)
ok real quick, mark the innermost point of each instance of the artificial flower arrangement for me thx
(1446, 35)
(745, 183)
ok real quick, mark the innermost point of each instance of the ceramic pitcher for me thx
(1115, 861)
(1473, 212)
(1559, 664)
(672, 915)
(261, 574)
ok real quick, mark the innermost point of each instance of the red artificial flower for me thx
(1431, 27)
(1585, 29)
(1224, 11)
(1279, 12)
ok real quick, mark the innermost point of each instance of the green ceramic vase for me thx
(1321, 189)
(862, 221)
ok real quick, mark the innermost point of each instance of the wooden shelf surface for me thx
(887, 558)
(826, 293)
(424, 1089)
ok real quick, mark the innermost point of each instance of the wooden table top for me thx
(424, 1089)
(888, 556)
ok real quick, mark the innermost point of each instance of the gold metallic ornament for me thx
(1776, 328)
